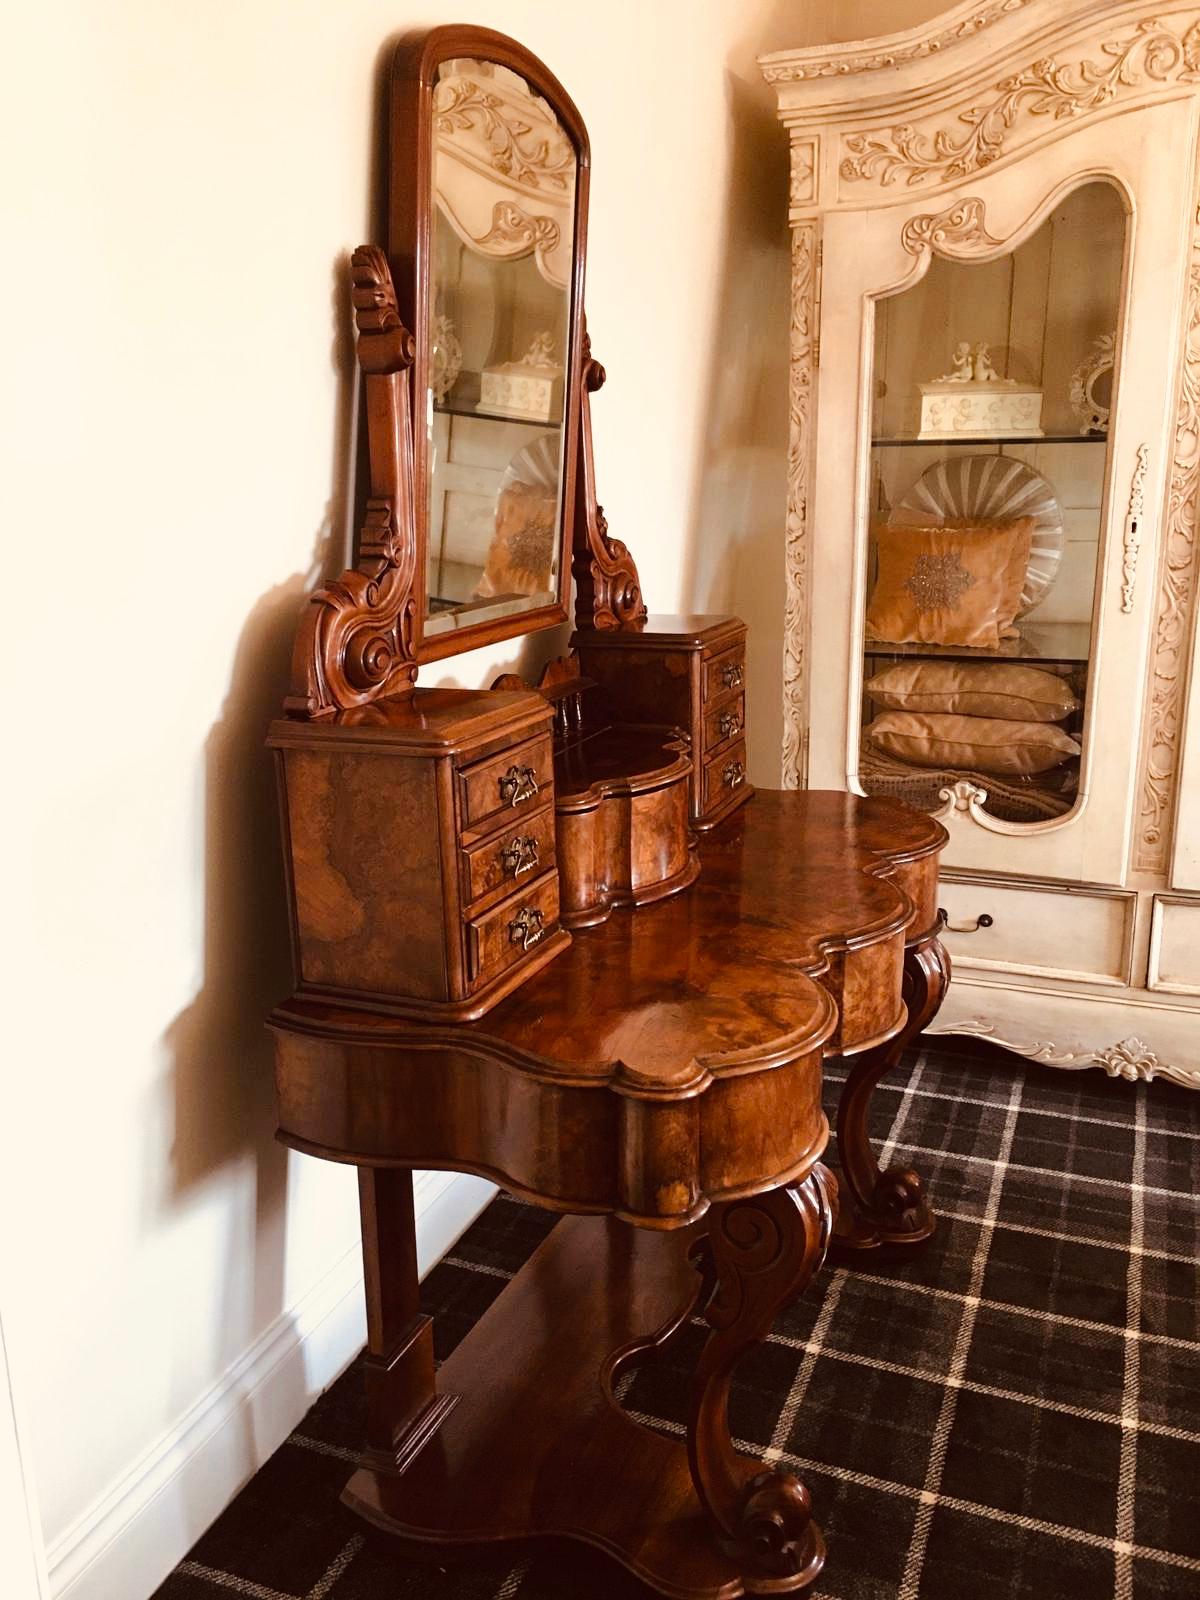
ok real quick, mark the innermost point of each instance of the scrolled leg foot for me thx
(887, 1208)
(760, 1253)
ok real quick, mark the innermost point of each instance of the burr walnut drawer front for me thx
(510, 856)
(724, 673)
(723, 774)
(501, 936)
(514, 782)
(724, 722)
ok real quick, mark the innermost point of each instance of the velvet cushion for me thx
(980, 744)
(953, 585)
(975, 689)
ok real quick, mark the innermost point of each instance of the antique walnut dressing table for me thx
(656, 1072)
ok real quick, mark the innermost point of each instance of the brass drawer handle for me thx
(521, 855)
(983, 920)
(733, 774)
(527, 927)
(728, 724)
(731, 676)
(518, 784)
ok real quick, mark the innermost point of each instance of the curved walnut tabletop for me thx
(665, 1071)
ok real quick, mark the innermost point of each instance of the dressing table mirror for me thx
(656, 1071)
(487, 226)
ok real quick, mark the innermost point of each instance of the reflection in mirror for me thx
(504, 174)
(993, 383)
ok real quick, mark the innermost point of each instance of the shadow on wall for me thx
(734, 560)
(221, 1064)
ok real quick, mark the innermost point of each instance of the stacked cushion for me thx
(987, 717)
(972, 689)
(984, 744)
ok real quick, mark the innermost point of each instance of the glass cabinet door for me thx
(992, 385)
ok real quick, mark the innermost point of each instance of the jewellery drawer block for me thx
(690, 670)
(403, 822)
(507, 933)
(724, 775)
(506, 858)
(516, 780)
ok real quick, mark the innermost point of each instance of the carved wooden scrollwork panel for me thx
(355, 642)
(803, 355)
(1177, 594)
(945, 149)
(608, 592)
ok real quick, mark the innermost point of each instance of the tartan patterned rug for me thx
(1013, 1416)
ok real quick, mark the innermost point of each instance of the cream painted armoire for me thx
(993, 473)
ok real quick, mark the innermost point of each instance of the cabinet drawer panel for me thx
(724, 773)
(724, 722)
(510, 857)
(1175, 945)
(1049, 931)
(501, 936)
(510, 782)
(724, 673)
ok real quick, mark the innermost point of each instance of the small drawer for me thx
(723, 774)
(510, 857)
(725, 673)
(516, 780)
(1175, 945)
(1049, 931)
(724, 722)
(500, 937)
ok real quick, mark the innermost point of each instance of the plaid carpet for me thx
(1015, 1414)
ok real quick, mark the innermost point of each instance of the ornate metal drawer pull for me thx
(728, 723)
(521, 855)
(527, 927)
(731, 676)
(518, 784)
(983, 920)
(733, 774)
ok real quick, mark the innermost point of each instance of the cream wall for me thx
(185, 183)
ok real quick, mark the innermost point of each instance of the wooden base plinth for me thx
(537, 1448)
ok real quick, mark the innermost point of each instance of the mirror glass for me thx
(502, 247)
(992, 387)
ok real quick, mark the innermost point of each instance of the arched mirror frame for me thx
(414, 69)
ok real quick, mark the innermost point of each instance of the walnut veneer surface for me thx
(665, 1071)
(687, 1017)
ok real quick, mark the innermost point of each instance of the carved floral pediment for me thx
(946, 148)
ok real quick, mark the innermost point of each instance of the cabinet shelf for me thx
(553, 426)
(908, 442)
(1046, 643)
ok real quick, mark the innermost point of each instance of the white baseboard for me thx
(127, 1542)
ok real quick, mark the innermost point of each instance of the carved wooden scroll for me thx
(355, 640)
(608, 594)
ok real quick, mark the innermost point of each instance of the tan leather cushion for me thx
(953, 585)
(974, 689)
(983, 744)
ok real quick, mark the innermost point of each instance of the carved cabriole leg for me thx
(761, 1252)
(403, 1407)
(887, 1208)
